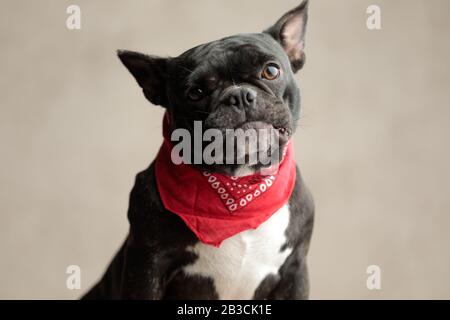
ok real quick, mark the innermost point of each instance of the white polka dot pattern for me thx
(238, 192)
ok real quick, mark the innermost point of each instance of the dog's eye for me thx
(271, 71)
(195, 93)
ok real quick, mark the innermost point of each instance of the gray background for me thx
(373, 142)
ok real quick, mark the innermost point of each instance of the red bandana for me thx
(216, 206)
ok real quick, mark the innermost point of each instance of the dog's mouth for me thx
(282, 130)
(270, 137)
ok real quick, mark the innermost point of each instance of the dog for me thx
(242, 81)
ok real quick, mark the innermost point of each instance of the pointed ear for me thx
(150, 73)
(289, 31)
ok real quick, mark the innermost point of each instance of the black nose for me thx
(240, 97)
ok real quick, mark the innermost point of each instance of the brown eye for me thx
(271, 72)
(195, 94)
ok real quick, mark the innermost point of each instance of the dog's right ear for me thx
(150, 73)
(289, 31)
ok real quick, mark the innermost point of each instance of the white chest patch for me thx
(240, 264)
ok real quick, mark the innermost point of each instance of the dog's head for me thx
(243, 81)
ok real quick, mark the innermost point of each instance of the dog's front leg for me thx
(141, 277)
(294, 282)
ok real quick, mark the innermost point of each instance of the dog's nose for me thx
(240, 97)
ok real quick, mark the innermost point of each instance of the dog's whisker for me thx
(184, 68)
(199, 111)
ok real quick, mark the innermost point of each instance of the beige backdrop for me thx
(373, 142)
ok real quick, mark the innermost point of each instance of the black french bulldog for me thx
(228, 83)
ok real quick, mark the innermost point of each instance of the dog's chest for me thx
(243, 261)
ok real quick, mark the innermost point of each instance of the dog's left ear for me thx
(150, 73)
(289, 31)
